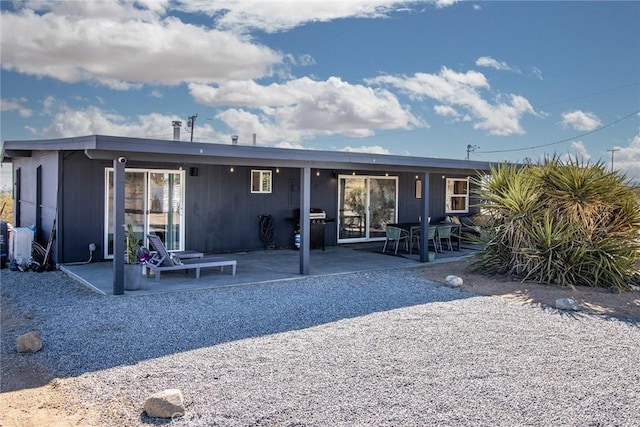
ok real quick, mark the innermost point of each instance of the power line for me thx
(563, 140)
(590, 94)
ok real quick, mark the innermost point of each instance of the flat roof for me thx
(106, 147)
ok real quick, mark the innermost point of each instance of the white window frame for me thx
(450, 195)
(262, 174)
(146, 173)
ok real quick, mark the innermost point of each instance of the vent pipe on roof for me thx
(254, 138)
(177, 124)
(234, 139)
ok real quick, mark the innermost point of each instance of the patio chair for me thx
(162, 260)
(396, 235)
(444, 233)
(431, 237)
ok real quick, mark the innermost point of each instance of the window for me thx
(457, 195)
(154, 201)
(261, 181)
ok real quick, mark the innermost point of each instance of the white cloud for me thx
(581, 120)
(48, 104)
(16, 104)
(627, 160)
(69, 122)
(373, 149)
(122, 46)
(291, 145)
(445, 3)
(462, 91)
(537, 73)
(445, 111)
(282, 15)
(304, 107)
(580, 151)
(487, 61)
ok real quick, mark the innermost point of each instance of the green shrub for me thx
(559, 222)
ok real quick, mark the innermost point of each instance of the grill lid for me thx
(314, 213)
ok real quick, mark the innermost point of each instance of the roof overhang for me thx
(179, 152)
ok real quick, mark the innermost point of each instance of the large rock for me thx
(454, 281)
(165, 404)
(567, 304)
(29, 342)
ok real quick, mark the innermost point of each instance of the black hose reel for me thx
(266, 230)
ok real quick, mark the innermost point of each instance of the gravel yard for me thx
(373, 348)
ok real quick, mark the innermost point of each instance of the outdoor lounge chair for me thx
(163, 261)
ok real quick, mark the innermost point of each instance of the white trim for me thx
(367, 178)
(262, 173)
(147, 173)
(450, 195)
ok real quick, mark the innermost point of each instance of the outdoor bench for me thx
(194, 264)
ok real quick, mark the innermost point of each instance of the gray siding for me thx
(38, 197)
(221, 213)
(83, 200)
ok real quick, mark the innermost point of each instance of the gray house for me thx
(217, 198)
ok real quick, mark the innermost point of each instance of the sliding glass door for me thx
(366, 205)
(154, 201)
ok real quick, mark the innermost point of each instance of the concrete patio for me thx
(259, 267)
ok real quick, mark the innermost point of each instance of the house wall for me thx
(410, 207)
(36, 204)
(221, 212)
(82, 216)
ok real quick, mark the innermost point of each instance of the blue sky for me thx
(513, 80)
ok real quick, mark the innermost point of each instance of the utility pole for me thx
(191, 123)
(613, 150)
(471, 148)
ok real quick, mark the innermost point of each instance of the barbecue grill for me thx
(318, 221)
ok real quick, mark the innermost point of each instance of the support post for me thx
(305, 219)
(118, 227)
(424, 224)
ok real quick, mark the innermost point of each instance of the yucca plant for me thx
(562, 222)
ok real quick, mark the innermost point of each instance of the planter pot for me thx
(431, 256)
(132, 277)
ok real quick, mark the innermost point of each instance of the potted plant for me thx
(132, 269)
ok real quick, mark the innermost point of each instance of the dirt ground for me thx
(31, 396)
(591, 300)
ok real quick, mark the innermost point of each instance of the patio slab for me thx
(257, 267)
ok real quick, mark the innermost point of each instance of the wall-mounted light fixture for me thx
(277, 170)
(231, 169)
(318, 172)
